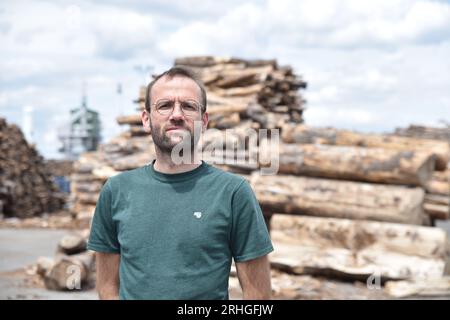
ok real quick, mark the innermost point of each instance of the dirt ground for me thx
(21, 243)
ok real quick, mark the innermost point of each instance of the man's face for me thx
(168, 130)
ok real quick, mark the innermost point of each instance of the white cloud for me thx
(326, 23)
(346, 117)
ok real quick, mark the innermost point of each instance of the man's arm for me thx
(108, 275)
(254, 277)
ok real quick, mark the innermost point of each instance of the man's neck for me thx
(165, 164)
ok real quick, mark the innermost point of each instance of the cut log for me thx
(242, 79)
(206, 61)
(434, 287)
(137, 130)
(239, 91)
(303, 134)
(43, 265)
(354, 163)
(341, 199)
(225, 109)
(437, 199)
(72, 244)
(357, 249)
(104, 172)
(437, 211)
(134, 119)
(70, 272)
(224, 121)
(439, 183)
(132, 161)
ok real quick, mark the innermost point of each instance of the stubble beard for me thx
(165, 143)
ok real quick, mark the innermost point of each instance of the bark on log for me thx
(342, 199)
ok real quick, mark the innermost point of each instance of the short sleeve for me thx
(103, 235)
(249, 235)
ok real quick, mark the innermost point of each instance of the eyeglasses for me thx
(190, 108)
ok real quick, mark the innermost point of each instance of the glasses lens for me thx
(189, 107)
(164, 107)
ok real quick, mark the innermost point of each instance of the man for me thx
(169, 230)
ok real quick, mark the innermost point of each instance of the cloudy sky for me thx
(370, 65)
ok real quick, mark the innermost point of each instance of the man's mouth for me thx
(174, 128)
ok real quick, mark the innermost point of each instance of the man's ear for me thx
(205, 119)
(145, 117)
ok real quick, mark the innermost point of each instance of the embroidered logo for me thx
(197, 214)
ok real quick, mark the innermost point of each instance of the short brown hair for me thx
(171, 73)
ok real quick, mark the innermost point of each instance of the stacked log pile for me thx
(26, 188)
(438, 187)
(442, 133)
(404, 150)
(59, 168)
(368, 201)
(239, 89)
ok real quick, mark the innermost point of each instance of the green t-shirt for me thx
(177, 233)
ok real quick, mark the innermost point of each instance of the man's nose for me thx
(177, 113)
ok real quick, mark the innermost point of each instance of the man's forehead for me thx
(176, 84)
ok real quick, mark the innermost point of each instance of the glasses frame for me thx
(200, 107)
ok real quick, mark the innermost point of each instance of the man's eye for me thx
(164, 106)
(190, 107)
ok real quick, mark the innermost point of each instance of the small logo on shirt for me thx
(197, 214)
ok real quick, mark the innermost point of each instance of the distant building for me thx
(82, 133)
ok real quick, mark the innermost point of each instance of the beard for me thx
(167, 142)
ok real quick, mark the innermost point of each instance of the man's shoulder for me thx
(222, 176)
(129, 176)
